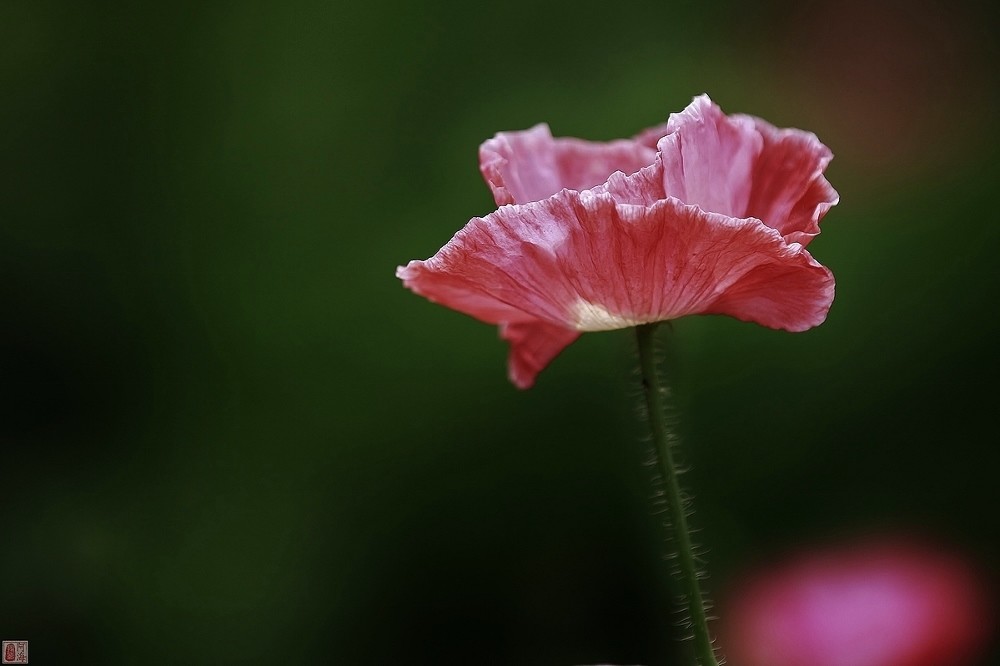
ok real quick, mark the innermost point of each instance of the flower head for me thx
(706, 214)
(886, 603)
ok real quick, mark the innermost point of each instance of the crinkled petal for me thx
(742, 166)
(642, 188)
(521, 167)
(789, 189)
(802, 301)
(483, 270)
(582, 261)
(533, 345)
(639, 264)
(708, 158)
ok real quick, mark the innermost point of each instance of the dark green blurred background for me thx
(230, 436)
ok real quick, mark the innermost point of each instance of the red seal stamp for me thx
(14, 652)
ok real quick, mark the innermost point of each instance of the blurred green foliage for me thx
(230, 436)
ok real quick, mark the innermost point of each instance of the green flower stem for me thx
(675, 503)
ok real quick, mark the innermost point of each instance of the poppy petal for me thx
(790, 192)
(521, 167)
(802, 301)
(533, 345)
(582, 261)
(708, 158)
(743, 166)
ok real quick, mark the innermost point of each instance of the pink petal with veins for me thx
(745, 167)
(533, 345)
(789, 191)
(708, 158)
(521, 167)
(581, 261)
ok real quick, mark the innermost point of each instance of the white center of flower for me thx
(589, 316)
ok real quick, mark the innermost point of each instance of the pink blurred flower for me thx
(874, 604)
(707, 214)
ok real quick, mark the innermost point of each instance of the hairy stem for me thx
(655, 396)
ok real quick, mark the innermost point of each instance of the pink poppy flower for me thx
(874, 604)
(707, 214)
